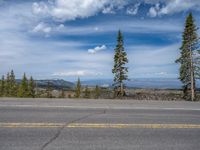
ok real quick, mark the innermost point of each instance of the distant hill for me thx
(57, 84)
(148, 83)
(54, 83)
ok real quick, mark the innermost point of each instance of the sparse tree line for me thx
(24, 88)
(10, 88)
(85, 92)
(189, 71)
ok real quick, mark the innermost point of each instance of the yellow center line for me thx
(99, 125)
(155, 126)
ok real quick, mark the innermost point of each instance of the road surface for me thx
(58, 124)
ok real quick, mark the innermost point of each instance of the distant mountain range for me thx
(54, 83)
(152, 83)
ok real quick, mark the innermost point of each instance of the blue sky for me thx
(69, 38)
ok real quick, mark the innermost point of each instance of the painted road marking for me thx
(154, 126)
(98, 107)
(99, 125)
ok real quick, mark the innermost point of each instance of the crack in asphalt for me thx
(61, 129)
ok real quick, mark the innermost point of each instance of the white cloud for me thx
(78, 73)
(178, 6)
(108, 10)
(59, 27)
(42, 28)
(161, 73)
(64, 10)
(174, 6)
(46, 29)
(40, 8)
(97, 49)
(133, 10)
(153, 11)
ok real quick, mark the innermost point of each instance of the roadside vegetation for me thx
(189, 74)
(10, 88)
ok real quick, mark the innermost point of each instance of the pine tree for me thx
(2, 88)
(78, 89)
(120, 70)
(97, 91)
(189, 60)
(7, 85)
(87, 92)
(23, 88)
(31, 87)
(13, 85)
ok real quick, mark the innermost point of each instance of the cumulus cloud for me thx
(173, 6)
(108, 10)
(40, 8)
(64, 10)
(133, 10)
(46, 29)
(97, 49)
(70, 10)
(42, 28)
(60, 27)
(153, 11)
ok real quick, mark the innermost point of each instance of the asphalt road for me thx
(56, 124)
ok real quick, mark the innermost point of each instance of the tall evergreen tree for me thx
(7, 85)
(120, 70)
(13, 85)
(78, 89)
(31, 87)
(23, 88)
(2, 87)
(189, 59)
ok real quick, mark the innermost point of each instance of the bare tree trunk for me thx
(192, 76)
(121, 89)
